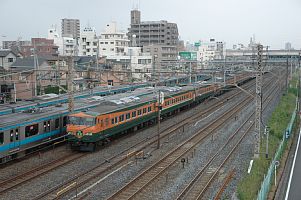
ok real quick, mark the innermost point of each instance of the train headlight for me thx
(70, 133)
(89, 134)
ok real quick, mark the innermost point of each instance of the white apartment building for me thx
(67, 45)
(88, 42)
(209, 51)
(137, 62)
(112, 41)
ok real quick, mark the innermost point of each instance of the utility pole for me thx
(58, 74)
(266, 130)
(190, 72)
(70, 85)
(286, 82)
(36, 72)
(153, 68)
(97, 66)
(258, 100)
(159, 119)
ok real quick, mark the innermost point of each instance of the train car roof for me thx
(119, 103)
(94, 104)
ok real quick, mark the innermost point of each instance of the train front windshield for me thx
(82, 121)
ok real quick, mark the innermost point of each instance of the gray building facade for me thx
(152, 32)
(71, 28)
(160, 38)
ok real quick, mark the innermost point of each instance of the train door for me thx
(14, 139)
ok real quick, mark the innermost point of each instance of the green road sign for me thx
(197, 44)
(187, 55)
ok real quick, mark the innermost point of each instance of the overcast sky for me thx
(273, 22)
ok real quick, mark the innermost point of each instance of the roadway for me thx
(294, 189)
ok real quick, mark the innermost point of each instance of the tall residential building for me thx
(288, 46)
(71, 28)
(88, 42)
(152, 32)
(112, 41)
(160, 38)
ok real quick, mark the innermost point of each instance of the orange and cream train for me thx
(122, 114)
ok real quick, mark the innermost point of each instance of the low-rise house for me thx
(7, 58)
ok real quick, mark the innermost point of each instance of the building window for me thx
(112, 49)
(10, 60)
(110, 82)
(112, 42)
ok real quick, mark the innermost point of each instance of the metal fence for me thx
(266, 184)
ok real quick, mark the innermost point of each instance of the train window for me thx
(128, 116)
(134, 114)
(121, 118)
(116, 120)
(57, 123)
(65, 121)
(45, 126)
(17, 134)
(107, 121)
(11, 135)
(139, 112)
(1, 138)
(149, 109)
(31, 130)
(144, 110)
(101, 122)
(113, 121)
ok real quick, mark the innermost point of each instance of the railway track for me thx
(15, 181)
(196, 188)
(116, 160)
(136, 186)
(139, 183)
